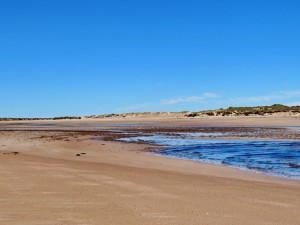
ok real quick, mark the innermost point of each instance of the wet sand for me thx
(51, 177)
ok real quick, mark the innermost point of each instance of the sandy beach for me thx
(53, 175)
(150, 113)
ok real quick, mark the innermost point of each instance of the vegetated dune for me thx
(267, 111)
(273, 110)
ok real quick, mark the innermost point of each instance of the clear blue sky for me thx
(92, 57)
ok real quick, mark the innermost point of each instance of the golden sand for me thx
(44, 182)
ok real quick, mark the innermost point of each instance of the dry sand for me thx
(117, 183)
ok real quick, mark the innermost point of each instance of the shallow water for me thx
(280, 158)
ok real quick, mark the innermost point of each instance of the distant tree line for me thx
(55, 118)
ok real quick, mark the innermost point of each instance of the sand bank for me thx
(44, 182)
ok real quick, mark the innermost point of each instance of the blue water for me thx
(280, 158)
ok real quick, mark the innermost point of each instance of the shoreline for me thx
(145, 149)
(250, 172)
(112, 136)
(119, 183)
